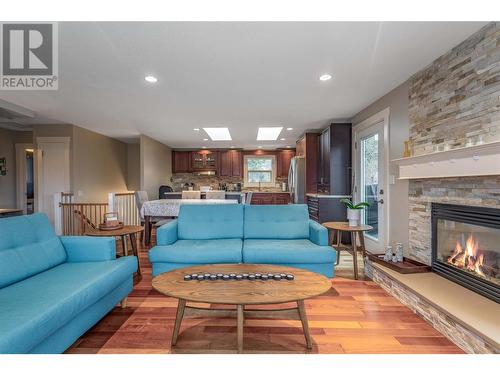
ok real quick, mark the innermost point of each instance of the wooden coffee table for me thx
(305, 285)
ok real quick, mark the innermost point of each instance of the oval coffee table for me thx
(305, 285)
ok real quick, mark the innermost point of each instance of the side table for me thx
(127, 230)
(335, 228)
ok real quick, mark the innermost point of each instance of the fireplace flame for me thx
(468, 257)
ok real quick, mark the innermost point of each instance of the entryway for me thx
(370, 160)
(52, 169)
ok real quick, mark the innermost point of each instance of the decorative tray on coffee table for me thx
(406, 266)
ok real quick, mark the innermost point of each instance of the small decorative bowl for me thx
(264, 277)
(290, 277)
(219, 275)
(187, 277)
(213, 277)
(200, 277)
(239, 277)
(225, 277)
(277, 277)
(251, 277)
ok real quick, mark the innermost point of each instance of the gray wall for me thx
(156, 165)
(399, 125)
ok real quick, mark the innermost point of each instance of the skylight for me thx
(218, 134)
(269, 133)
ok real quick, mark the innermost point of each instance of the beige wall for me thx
(133, 167)
(399, 125)
(156, 165)
(99, 166)
(8, 140)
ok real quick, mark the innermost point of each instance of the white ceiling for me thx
(241, 75)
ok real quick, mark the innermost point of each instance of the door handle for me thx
(381, 201)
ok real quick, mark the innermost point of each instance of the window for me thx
(260, 170)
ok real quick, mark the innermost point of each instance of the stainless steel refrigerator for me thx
(297, 179)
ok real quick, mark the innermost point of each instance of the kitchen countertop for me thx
(327, 196)
(227, 193)
(267, 192)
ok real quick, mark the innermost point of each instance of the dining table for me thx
(169, 208)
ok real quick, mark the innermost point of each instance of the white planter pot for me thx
(354, 217)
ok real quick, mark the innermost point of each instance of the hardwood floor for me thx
(356, 316)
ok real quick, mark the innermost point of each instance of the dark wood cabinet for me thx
(334, 164)
(270, 198)
(181, 161)
(307, 146)
(204, 160)
(284, 158)
(231, 163)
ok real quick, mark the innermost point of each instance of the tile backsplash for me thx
(179, 179)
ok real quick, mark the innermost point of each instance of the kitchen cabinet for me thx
(270, 198)
(334, 164)
(307, 147)
(284, 158)
(181, 161)
(230, 163)
(204, 160)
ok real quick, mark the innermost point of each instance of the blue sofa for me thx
(53, 289)
(259, 234)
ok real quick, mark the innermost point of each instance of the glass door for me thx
(370, 182)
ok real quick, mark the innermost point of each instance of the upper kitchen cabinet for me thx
(181, 161)
(284, 158)
(231, 163)
(204, 160)
(307, 147)
(334, 164)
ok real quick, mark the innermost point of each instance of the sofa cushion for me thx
(33, 309)
(28, 245)
(210, 221)
(276, 221)
(199, 251)
(286, 252)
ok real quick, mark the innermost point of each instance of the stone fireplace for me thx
(466, 247)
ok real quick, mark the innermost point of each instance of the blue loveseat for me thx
(259, 234)
(53, 289)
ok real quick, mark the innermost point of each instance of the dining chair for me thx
(191, 194)
(216, 194)
(248, 198)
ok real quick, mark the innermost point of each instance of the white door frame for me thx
(382, 116)
(21, 174)
(37, 161)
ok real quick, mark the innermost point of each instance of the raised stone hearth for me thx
(473, 326)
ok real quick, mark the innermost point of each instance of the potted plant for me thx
(354, 211)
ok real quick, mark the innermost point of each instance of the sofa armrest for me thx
(89, 249)
(167, 233)
(318, 233)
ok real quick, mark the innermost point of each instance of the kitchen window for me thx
(260, 171)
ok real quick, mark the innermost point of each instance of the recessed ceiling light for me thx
(218, 134)
(204, 147)
(269, 133)
(205, 139)
(289, 129)
(196, 129)
(232, 146)
(325, 77)
(260, 146)
(151, 79)
(282, 139)
(287, 146)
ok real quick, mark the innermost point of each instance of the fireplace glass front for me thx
(471, 248)
(466, 247)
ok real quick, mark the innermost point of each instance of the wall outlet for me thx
(392, 179)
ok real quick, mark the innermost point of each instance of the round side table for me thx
(335, 228)
(127, 230)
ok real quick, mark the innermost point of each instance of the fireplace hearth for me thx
(466, 247)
